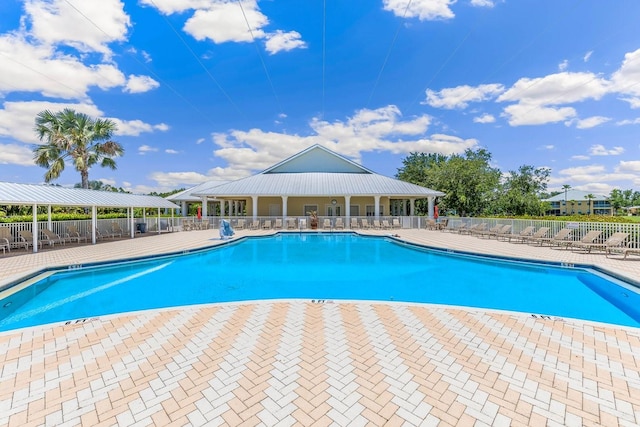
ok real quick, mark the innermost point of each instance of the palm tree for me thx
(566, 187)
(69, 135)
(590, 198)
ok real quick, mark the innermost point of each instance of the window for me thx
(309, 208)
(354, 210)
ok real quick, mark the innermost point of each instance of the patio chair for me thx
(354, 223)
(376, 224)
(395, 223)
(431, 224)
(623, 250)
(267, 224)
(522, 235)
(51, 238)
(339, 225)
(326, 224)
(385, 224)
(291, 223)
(590, 237)
(187, 225)
(241, 224)
(504, 233)
(5, 239)
(364, 223)
(560, 238)
(458, 227)
(278, 224)
(116, 230)
(103, 233)
(74, 234)
(480, 230)
(26, 239)
(542, 233)
(204, 224)
(442, 225)
(616, 240)
(302, 223)
(255, 224)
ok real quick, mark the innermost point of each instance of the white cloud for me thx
(144, 149)
(15, 154)
(563, 65)
(580, 157)
(425, 10)
(626, 80)
(600, 150)
(168, 7)
(461, 96)
(629, 166)
(548, 147)
(379, 130)
(281, 41)
(589, 122)
(30, 67)
(485, 118)
(524, 114)
(57, 21)
(139, 84)
(595, 174)
(224, 22)
(171, 151)
(629, 122)
(200, 141)
(587, 56)
(482, 3)
(556, 89)
(136, 127)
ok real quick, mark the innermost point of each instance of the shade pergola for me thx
(48, 195)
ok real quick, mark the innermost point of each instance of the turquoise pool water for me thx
(321, 266)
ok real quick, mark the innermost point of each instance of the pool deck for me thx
(302, 362)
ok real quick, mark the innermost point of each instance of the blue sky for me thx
(220, 89)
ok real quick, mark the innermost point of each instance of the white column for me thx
(132, 222)
(412, 207)
(254, 203)
(183, 208)
(347, 211)
(158, 220)
(376, 206)
(34, 228)
(204, 207)
(49, 223)
(94, 223)
(284, 206)
(404, 207)
(431, 204)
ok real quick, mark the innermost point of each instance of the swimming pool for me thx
(319, 266)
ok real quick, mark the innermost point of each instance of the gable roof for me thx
(317, 171)
(188, 194)
(316, 159)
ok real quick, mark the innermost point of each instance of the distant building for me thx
(576, 202)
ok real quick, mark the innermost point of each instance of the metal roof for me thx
(29, 194)
(575, 195)
(319, 184)
(188, 194)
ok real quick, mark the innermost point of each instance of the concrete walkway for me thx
(300, 362)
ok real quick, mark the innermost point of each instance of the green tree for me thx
(469, 181)
(521, 191)
(69, 135)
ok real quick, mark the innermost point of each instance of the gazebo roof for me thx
(50, 195)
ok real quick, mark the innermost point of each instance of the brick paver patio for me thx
(301, 362)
